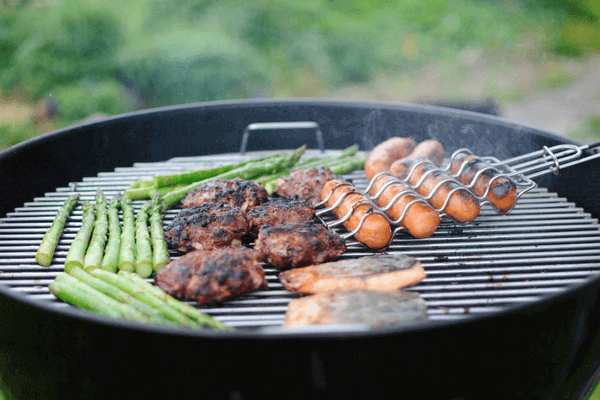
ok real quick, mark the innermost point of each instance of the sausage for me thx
(463, 206)
(502, 194)
(385, 153)
(428, 149)
(421, 220)
(376, 232)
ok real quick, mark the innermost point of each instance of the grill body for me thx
(542, 349)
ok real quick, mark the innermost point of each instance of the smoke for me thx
(375, 130)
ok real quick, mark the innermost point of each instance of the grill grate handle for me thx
(282, 125)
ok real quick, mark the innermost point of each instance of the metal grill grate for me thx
(542, 247)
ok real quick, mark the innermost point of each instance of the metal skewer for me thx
(518, 170)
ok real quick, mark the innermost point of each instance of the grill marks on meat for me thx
(279, 210)
(296, 245)
(237, 192)
(213, 276)
(207, 226)
(376, 309)
(378, 272)
(304, 183)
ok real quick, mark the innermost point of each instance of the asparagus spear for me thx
(148, 192)
(186, 309)
(142, 189)
(110, 261)
(76, 296)
(127, 249)
(88, 296)
(350, 165)
(160, 251)
(142, 183)
(191, 176)
(129, 287)
(50, 240)
(76, 253)
(346, 154)
(95, 251)
(114, 292)
(143, 243)
(248, 171)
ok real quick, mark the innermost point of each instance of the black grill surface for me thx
(545, 245)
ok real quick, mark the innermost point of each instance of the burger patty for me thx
(295, 245)
(207, 226)
(237, 192)
(304, 183)
(213, 276)
(279, 210)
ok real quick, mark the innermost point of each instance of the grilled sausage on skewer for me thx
(502, 194)
(428, 149)
(462, 205)
(421, 220)
(375, 232)
(385, 153)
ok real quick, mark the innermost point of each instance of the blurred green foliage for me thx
(59, 44)
(15, 132)
(83, 98)
(112, 57)
(578, 30)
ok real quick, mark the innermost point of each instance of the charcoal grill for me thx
(512, 300)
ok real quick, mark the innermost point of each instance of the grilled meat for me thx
(213, 276)
(237, 192)
(377, 272)
(174, 277)
(296, 245)
(304, 183)
(376, 309)
(207, 226)
(279, 210)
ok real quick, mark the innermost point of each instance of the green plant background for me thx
(97, 58)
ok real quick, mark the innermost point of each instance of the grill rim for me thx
(73, 134)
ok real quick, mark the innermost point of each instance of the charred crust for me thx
(237, 192)
(219, 220)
